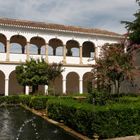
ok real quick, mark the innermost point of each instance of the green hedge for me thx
(9, 99)
(36, 102)
(121, 118)
(25, 99)
(107, 121)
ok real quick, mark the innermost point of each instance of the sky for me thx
(102, 14)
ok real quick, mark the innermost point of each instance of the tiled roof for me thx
(43, 25)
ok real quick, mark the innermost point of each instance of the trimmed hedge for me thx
(25, 99)
(10, 99)
(36, 102)
(107, 121)
(121, 118)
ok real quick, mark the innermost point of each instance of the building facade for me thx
(75, 47)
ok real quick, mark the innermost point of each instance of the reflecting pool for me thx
(17, 123)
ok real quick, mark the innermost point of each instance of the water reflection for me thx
(19, 124)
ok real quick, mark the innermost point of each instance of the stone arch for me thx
(88, 49)
(17, 44)
(56, 87)
(87, 81)
(14, 86)
(55, 47)
(72, 83)
(2, 43)
(73, 48)
(37, 45)
(2, 83)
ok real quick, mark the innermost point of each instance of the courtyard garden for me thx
(107, 117)
(106, 111)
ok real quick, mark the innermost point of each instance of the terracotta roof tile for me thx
(55, 26)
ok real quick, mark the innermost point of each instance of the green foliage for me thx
(25, 99)
(32, 73)
(121, 118)
(89, 87)
(38, 102)
(134, 27)
(97, 97)
(107, 121)
(2, 99)
(37, 72)
(13, 99)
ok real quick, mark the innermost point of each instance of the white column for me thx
(46, 47)
(27, 51)
(81, 86)
(64, 54)
(27, 90)
(8, 51)
(64, 86)
(81, 50)
(46, 89)
(6, 87)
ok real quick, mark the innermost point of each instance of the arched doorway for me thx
(87, 81)
(2, 83)
(72, 83)
(14, 86)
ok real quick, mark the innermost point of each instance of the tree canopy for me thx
(37, 72)
(112, 67)
(133, 27)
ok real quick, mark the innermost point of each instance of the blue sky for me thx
(103, 14)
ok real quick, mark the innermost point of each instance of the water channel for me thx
(17, 123)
